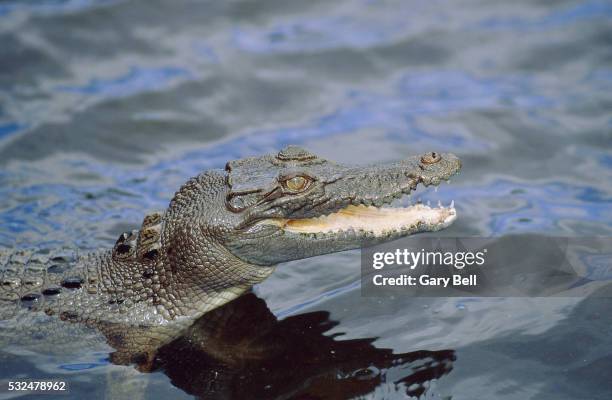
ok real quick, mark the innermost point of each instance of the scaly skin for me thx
(223, 232)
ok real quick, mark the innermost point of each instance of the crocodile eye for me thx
(297, 183)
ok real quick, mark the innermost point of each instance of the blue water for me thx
(106, 107)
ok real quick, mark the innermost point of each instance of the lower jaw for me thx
(372, 220)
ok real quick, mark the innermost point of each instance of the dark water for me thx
(106, 107)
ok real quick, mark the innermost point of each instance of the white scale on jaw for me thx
(372, 219)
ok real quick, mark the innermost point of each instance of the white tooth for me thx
(428, 203)
(452, 204)
(439, 204)
(436, 189)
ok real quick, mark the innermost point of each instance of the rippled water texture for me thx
(106, 107)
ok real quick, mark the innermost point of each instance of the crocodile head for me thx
(294, 204)
(224, 231)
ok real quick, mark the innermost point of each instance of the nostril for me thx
(431, 158)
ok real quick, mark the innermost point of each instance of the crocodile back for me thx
(29, 279)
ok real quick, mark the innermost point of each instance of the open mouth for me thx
(375, 220)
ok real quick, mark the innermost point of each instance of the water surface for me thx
(106, 107)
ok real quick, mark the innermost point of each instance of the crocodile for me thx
(223, 232)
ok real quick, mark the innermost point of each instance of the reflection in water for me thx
(241, 350)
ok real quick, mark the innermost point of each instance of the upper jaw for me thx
(395, 180)
(401, 178)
